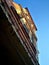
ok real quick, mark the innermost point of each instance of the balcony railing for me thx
(23, 38)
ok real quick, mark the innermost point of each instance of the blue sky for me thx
(39, 10)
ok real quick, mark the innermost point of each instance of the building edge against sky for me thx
(24, 23)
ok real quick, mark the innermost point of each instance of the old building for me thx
(17, 35)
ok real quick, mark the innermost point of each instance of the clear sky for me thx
(39, 10)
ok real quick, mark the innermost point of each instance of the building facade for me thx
(20, 30)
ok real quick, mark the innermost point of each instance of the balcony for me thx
(15, 20)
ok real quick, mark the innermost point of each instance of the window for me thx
(17, 7)
(26, 29)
